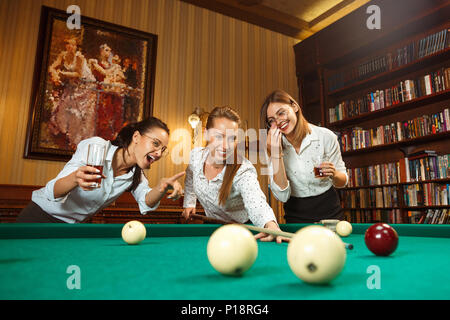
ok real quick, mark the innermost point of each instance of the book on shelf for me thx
(430, 216)
(425, 168)
(380, 197)
(426, 194)
(394, 216)
(433, 43)
(374, 215)
(358, 138)
(392, 59)
(404, 91)
(421, 154)
(405, 170)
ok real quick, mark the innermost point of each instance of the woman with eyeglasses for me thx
(73, 196)
(226, 183)
(297, 149)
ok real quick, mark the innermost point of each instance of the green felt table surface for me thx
(171, 263)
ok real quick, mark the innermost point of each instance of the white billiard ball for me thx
(344, 228)
(316, 254)
(133, 232)
(232, 250)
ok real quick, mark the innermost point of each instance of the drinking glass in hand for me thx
(317, 163)
(96, 158)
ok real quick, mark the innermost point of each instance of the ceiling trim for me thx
(330, 12)
(259, 15)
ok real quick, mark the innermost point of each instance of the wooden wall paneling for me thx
(13, 198)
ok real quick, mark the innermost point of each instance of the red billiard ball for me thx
(381, 239)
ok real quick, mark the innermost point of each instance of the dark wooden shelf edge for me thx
(387, 208)
(446, 180)
(370, 187)
(428, 181)
(404, 208)
(427, 207)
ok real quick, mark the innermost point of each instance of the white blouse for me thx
(78, 204)
(246, 200)
(300, 168)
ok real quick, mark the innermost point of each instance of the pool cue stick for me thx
(283, 234)
(210, 220)
(257, 229)
(270, 231)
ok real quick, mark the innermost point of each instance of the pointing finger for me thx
(177, 176)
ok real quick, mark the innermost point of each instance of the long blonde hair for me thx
(301, 127)
(231, 168)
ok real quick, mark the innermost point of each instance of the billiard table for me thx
(91, 261)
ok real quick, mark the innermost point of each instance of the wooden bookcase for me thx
(347, 50)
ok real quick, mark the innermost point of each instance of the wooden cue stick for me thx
(257, 229)
(270, 231)
(210, 220)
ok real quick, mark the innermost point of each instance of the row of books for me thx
(375, 215)
(411, 89)
(426, 194)
(414, 195)
(395, 58)
(423, 168)
(358, 138)
(430, 216)
(357, 73)
(409, 169)
(382, 197)
(402, 92)
(385, 173)
(433, 43)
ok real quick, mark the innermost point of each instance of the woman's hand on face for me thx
(85, 176)
(274, 141)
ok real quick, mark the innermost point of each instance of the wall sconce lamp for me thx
(194, 119)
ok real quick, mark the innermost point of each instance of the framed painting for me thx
(88, 81)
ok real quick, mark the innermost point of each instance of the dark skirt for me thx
(313, 209)
(32, 213)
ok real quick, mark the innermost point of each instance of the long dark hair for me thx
(125, 137)
(231, 169)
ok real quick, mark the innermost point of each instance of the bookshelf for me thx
(387, 94)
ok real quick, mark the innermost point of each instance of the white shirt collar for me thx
(219, 177)
(111, 150)
(109, 158)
